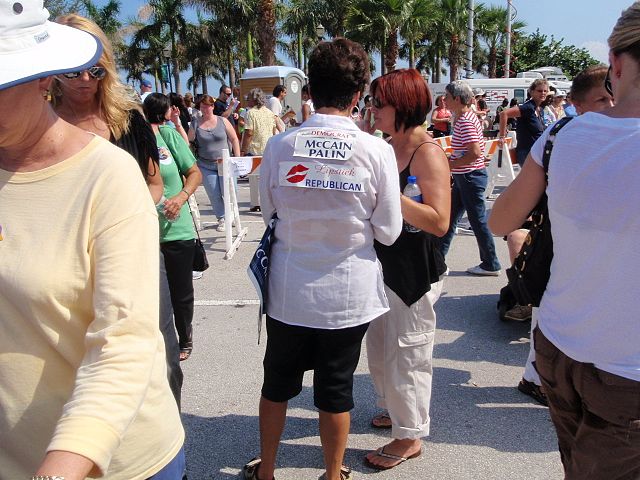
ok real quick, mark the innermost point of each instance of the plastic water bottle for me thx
(412, 190)
(160, 209)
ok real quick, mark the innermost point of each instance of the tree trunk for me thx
(267, 31)
(300, 50)
(453, 58)
(391, 52)
(493, 61)
(176, 76)
(156, 79)
(205, 89)
(232, 72)
(174, 66)
(194, 78)
(412, 54)
(249, 50)
(438, 69)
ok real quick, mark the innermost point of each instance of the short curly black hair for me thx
(337, 70)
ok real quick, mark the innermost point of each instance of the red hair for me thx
(407, 92)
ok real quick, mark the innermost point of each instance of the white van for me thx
(496, 90)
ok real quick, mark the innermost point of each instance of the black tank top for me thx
(413, 262)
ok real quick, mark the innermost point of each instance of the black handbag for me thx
(200, 262)
(529, 274)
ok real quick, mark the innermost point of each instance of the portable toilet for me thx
(267, 78)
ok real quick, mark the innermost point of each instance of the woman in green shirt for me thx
(177, 235)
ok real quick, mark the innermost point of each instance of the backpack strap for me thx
(548, 146)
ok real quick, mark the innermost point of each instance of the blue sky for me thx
(583, 23)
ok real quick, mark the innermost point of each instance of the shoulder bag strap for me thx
(548, 146)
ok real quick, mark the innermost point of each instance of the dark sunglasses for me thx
(94, 72)
(607, 82)
(377, 103)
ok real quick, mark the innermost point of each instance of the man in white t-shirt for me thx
(275, 105)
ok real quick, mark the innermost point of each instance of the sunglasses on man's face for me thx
(94, 72)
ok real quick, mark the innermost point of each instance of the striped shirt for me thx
(467, 130)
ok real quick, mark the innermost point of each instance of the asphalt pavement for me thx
(481, 427)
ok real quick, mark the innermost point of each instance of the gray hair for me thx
(257, 95)
(461, 90)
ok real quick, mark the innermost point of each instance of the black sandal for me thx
(534, 391)
(250, 470)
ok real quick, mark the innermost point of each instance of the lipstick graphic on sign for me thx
(297, 174)
(1, 233)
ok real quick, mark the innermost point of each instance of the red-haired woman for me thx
(400, 342)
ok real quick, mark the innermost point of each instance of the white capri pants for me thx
(400, 353)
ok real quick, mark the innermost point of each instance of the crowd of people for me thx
(96, 275)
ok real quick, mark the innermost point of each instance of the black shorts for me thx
(333, 356)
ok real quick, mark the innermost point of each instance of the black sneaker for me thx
(534, 391)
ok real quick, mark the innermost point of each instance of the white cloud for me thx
(598, 50)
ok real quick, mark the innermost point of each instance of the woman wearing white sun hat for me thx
(81, 356)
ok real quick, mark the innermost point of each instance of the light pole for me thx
(167, 56)
(320, 32)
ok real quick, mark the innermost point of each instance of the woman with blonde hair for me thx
(586, 341)
(95, 100)
(84, 389)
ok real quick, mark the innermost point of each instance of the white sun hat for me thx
(32, 47)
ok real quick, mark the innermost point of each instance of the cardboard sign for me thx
(324, 143)
(322, 176)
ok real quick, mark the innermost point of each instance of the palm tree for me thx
(200, 54)
(105, 17)
(62, 7)
(419, 17)
(333, 15)
(453, 24)
(301, 19)
(384, 20)
(236, 23)
(167, 21)
(266, 31)
(492, 28)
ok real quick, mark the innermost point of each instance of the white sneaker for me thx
(220, 227)
(478, 270)
(196, 275)
(464, 231)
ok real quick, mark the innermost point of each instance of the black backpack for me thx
(529, 274)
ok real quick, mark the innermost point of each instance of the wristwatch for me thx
(47, 477)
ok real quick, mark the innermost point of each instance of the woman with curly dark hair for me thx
(335, 190)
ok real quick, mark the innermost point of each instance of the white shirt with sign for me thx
(335, 189)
